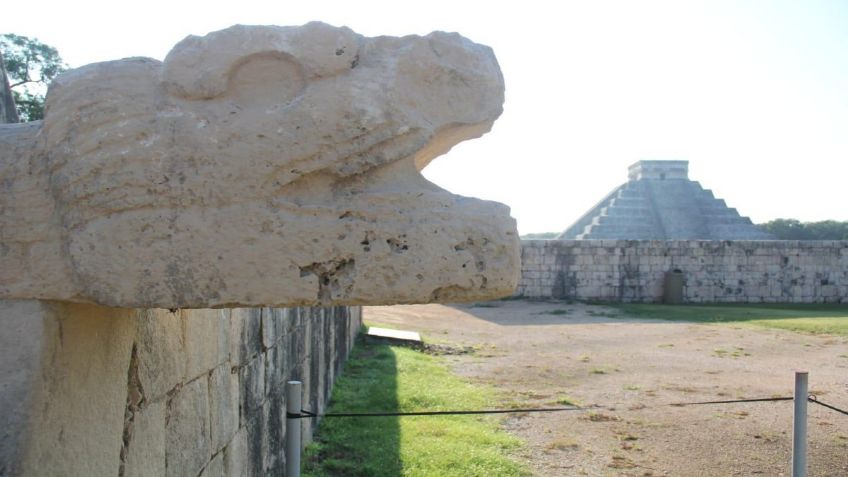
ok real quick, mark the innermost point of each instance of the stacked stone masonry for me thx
(128, 393)
(633, 271)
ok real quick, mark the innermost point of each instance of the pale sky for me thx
(754, 94)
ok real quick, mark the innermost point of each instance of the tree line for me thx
(27, 67)
(791, 229)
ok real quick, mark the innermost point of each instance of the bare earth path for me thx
(537, 357)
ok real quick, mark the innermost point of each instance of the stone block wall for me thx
(97, 391)
(770, 271)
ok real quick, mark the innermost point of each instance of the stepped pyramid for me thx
(659, 202)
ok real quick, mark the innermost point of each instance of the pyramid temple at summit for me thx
(659, 202)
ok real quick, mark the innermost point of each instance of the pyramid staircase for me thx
(658, 206)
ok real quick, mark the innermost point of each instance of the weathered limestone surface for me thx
(85, 391)
(257, 166)
(754, 271)
(75, 416)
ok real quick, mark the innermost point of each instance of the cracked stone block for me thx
(257, 166)
(275, 371)
(21, 348)
(273, 326)
(317, 365)
(251, 387)
(274, 415)
(292, 319)
(202, 329)
(77, 407)
(224, 324)
(245, 334)
(161, 364)
(187, 437)
(146, 449)
(257, 442)
(235, 456)
(296, 349)
(105, 400)
(224, 403)
(215, 467)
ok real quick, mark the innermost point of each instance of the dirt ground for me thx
(542, 352)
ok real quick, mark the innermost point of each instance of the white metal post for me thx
(799, 426)
(294, 395)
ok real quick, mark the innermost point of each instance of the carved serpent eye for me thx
(207, 67)
(269, 78)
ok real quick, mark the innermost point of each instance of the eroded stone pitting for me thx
(282, 149)
(335, 278)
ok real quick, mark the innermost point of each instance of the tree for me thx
(540, 236)
(30, 66)
(8, 112)
(791, 229)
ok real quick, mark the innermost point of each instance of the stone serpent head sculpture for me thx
(257, 165)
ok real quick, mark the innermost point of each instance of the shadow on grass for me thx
(360, 447)
(391, 378)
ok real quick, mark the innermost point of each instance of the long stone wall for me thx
(98, 391)
(712, 271)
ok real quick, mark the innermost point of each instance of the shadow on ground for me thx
(543, 313)
(821, 318)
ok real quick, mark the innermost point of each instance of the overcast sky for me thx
(754, 94)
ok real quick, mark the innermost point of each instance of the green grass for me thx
(556, 312)
(388, 378)
(602, 314)
(566, 400)
(818, 319)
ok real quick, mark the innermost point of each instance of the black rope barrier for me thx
(812, 398)
(304, 414)
(731, 401)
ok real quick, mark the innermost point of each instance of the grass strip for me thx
(816, 319)
(390, 378)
